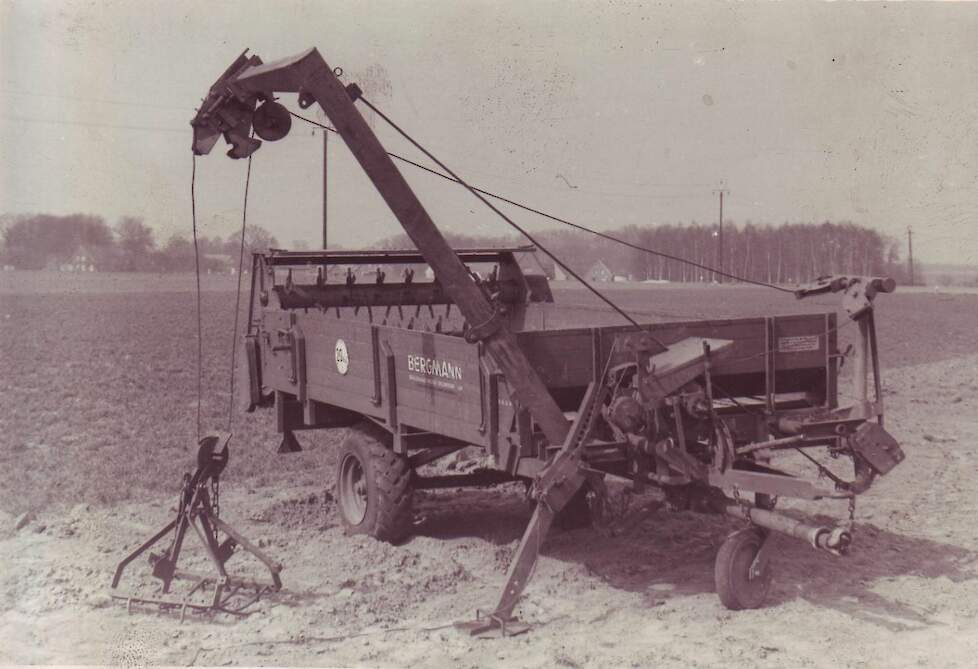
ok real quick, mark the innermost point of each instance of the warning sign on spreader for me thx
(798, 344)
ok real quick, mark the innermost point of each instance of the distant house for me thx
(81, 261)
(600, 272)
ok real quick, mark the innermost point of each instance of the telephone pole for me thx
(325, 156)
(910, 253)
(719, 277)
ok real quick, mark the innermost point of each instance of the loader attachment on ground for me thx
(197, 509)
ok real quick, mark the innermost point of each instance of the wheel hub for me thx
(353, 490)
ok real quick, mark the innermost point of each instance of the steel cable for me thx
(611, 238)
(200, 328)
(237, 298)
(506, 218)
(479, 191)
(557, 219)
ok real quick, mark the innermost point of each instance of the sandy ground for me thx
(639, 593)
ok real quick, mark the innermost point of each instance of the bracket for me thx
(487, 328)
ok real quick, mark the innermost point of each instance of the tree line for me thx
(83, 242)
(787, 253)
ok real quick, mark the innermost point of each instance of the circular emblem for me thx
(342, 357)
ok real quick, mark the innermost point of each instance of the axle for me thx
(831, 540)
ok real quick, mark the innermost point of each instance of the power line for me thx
(7, 91)
(91, 124)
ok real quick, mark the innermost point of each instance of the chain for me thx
(851, 524)
(216, 495)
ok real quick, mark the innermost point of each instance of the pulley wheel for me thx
(272, 121)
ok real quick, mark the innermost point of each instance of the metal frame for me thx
(530, 435)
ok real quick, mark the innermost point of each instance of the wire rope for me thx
(237, 298)
(200, 327)
(503, 216)
(557, 219)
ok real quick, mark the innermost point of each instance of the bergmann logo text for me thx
(440, 368)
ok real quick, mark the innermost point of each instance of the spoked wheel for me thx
(373, 486)
(741, 582)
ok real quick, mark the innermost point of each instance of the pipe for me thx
(760, 446)
(835, 541)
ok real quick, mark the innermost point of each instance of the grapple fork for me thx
(197, 510)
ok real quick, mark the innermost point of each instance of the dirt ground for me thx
(639, 593)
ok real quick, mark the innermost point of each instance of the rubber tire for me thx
(734, 586)
(388, 478)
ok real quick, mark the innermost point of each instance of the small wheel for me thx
(737, 587)
(373, 485)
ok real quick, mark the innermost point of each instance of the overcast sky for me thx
(604, 113)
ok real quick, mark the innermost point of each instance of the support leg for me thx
(274, 567)
(519, 574)
(139, 551)
(553, 489)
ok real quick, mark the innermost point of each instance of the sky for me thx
(604, 113)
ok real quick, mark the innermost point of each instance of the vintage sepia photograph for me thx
(488, 333)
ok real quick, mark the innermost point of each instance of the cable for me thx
(557, 219)
(200, 328)
(503, 216)
(845, 323)
(127, 103)
(237, 299)
(90, 124)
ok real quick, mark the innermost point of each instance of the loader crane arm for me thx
(232, 109)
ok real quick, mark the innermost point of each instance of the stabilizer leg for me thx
(553, 489)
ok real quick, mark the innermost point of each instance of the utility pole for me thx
(910, 253)
(325, 157)
(719, 277)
